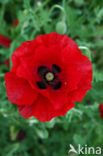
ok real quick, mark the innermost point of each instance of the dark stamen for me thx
(49, 77)
(41, 85)
(56, 69)
(42, 70)
(57, 85)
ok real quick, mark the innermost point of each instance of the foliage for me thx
(82, 125)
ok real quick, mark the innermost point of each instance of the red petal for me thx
(26, 111)
(19, 91)
(26, 49)
(31, 63)
(7, 63)
(46, 110)
(85, 69)
(16, 22)
(43, 110)
(4, 41)
(50, 39)
(47, 55)
(102, 115)
(101, 107)
(56, 39)
(27, 70)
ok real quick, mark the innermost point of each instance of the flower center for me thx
(49, 76)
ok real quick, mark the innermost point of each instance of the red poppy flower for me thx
(101, 110)
(16, 22)
(4, 41)
(48, 75)
(7, 63)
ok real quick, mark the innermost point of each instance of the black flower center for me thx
(49, 77)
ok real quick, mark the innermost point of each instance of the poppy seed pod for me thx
(61, 27)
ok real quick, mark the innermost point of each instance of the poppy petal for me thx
(48, 111)
(26, 111)
(19, 91)
(85, 82)
(5, 41)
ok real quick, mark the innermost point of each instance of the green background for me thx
(82, 20)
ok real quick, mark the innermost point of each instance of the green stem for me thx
(2, 75)
(88, 50)
(43, 4)
(63, 3)
(58, 7)
(2, 12)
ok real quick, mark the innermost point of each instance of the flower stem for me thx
(88, 51)
(43, 4)
(2, 75)
(58, 7)
(63, 3)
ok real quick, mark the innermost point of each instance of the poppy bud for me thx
(21, 135)
(61, 27)
(79, 3)
(7, 63)
(13, 133)
(39, 3)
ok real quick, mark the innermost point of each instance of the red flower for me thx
(16, 22)
(48, 75)
(7, 63)
(4, 41)
(101, 110)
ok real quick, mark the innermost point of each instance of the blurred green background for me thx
(82, 20)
